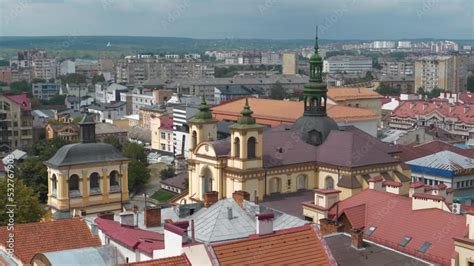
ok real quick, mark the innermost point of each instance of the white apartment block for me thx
(67, 67)
(347, 65)
(44, 68)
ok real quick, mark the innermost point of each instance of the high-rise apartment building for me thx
(290, 63)
(448, 73)
(347, 65)
(16, 122)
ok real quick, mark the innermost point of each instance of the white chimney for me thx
(392, 187)
(417, 187)
(376, 183)
(175, 236)
(127, 219)
(264, 223)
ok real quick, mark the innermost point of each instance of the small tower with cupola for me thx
(203, 126)
(246, 140)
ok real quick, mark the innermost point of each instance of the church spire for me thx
(246, 115)
(315, 90)
(204, 114)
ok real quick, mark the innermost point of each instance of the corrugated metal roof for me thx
(444, 160)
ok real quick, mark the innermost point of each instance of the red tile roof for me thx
(392, 183)
(360, 93)
(326, 191)
(443, 108)
(466, 97)
(21, 100)
(171, 261)
(50, 236)
(131, 237)
(414, 152)
(427, 196)
(166, 122)
(394, 219)
(417, 184)
(295, 246)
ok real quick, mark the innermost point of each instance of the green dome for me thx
(204, 114)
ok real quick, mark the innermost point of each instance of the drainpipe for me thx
(69, 190)
(265, 191)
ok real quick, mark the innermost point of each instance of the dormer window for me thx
(371, 230)
(405, 241)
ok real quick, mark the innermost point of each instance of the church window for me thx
(54, 182)
(114, 180)
(74, 185)
(94, 185)
(193, 139)
(237, 147)
(251, 148)
(329, 182)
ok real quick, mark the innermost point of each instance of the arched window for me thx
(329, 182)
(94, 183)
(237, 147)
(114, 180)
(206, 176)
(54, 185)
(275, 185)
(251, 146)
(301, 182)
(193, 139)
(74, 186)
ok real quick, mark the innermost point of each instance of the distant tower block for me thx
(290, 63)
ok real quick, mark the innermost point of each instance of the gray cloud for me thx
(280, 19)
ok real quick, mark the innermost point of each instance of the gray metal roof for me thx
(83, 153)
(94, 256)
(444, 160)
(213, 224)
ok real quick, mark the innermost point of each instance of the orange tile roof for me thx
(296, 246)
(170, 261)
(342, 94)
(50, 236)
(289, 111)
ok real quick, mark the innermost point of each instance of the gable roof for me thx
(301, 245)
(131, 237)
(32, 238)
(166, 122)
(22, 100)
(393, 219)
(443, 163)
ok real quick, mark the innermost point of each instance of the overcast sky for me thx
(276, 19)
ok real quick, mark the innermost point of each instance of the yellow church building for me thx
(87, 177)
(312, 153)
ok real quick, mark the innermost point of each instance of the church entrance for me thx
(275, 185)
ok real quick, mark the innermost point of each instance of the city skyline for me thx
(268, 19)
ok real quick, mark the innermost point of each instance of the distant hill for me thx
(73, 46)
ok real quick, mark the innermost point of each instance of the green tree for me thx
(114, 141)
(4, 62)
(470, 83)
(138, 175)
(74, 78)
(168, 172)
(20, 86)
(55, 100)
(98, 78)
(28, 209)
(386, 90)
(135, 151)
(277, 91)
(421, 91)
(38, 80)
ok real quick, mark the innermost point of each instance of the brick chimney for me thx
(152, 216)
(357, 238)
(239, 197)
(264, 223)
(210, 198)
